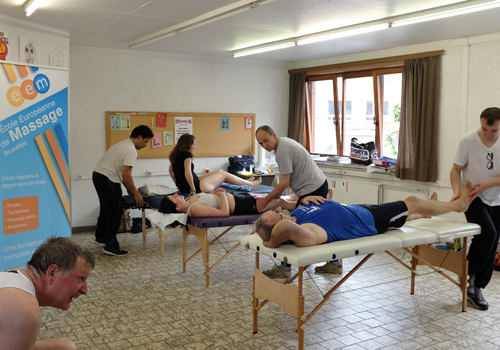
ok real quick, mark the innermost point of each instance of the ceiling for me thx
(116, 23)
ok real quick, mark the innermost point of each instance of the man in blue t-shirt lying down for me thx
(321, 221)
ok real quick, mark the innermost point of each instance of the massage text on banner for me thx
(34, 172)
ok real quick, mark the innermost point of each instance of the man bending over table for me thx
(329, 221)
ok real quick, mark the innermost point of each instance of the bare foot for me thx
(434, 196)
(257, 182)
(464, 199)
(329, 196)
(251, 178)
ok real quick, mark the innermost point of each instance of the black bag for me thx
(240, 163)
(362, 153)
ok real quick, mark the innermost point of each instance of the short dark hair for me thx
(491, 114)
(62, 251)
(266, 128)
(263, 229)
(167, 206)
(142, 130)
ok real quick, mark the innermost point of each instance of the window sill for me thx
(354, 170)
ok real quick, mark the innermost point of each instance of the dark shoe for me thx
(478, 299)
(471, 289)
(114, 249)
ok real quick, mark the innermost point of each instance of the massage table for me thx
(197, 227)
(417, 234)
(152, 202)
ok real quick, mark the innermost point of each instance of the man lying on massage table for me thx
(330, 221)
(219, 203)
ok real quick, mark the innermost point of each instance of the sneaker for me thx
(478, 300)
(328, 268)
(278, 272)
(115, 250)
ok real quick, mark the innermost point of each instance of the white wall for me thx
(112, 80)
(15, 28)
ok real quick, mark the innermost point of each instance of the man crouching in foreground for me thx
(56, 275)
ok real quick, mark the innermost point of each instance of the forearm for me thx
(128, 182)
(224, 205)
(278, 190)
(190, 180)
(456, 181)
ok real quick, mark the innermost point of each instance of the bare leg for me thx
(428, 208)
(433, 197)
(211, 181)
(54, 344)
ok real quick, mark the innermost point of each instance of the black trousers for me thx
(321, 191)
(111, 211)
(484, 246)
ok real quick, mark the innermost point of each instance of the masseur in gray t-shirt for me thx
(299, 172)
(297, 169)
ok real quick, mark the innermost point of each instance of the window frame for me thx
(378, 98)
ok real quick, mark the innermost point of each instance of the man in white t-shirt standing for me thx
(56, 275)
(478, 160)
(299, 172)
(115, 168)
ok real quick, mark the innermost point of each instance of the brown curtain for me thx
(417, 148)
(296, 106)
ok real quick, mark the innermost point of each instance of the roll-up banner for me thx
(34, 168)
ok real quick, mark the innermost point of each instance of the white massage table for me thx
(416, 234)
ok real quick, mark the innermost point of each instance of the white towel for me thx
(161, 220)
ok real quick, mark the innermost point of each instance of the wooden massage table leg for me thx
(437, 260)
(202, 235)
(255, 301)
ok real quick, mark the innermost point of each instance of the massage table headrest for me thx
(445, 229)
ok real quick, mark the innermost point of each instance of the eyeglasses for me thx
(489, 157)
(280, 214)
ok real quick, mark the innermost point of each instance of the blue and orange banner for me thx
(34, 176)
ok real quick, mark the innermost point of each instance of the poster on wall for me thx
(4, 46)
(34, 176)
(58, 55)
(29, 50)
(183, 125)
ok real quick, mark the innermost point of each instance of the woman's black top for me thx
(178, 168)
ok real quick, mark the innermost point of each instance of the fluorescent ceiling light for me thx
(251, 51)
(340, 34)
(450, 13)
(209, 17)
(31, 6)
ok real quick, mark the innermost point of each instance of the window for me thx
(371, 102)
(369, 107)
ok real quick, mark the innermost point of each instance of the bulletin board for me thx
(213, 138)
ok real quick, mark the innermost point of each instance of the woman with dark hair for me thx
(182, 171)
(219, 203)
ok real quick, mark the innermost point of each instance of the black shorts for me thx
(244, 204)
(388, 215)
(321, 191)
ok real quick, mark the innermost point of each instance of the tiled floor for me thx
(144, 301)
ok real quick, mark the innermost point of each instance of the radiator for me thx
(393, 193)
(348, 191)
